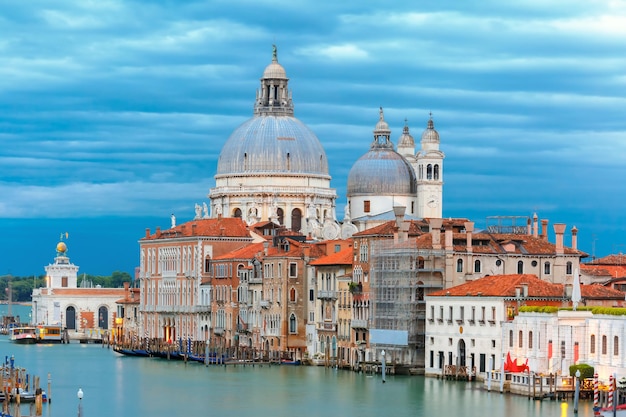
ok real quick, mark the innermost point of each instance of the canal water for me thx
(116, 385)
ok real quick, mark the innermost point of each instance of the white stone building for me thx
(80, 310)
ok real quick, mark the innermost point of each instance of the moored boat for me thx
(23, 335)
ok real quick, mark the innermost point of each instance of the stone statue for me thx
(218, 209)
(173, 221)
(206, 210)
(346, 215)
(274, 53)
(198, 211)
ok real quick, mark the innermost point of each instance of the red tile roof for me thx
(619, 259)
(388, 229)
(505, 286)
(608, 271)
(343, 257)
(220, 227)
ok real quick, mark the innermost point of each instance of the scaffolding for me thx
(401, 275)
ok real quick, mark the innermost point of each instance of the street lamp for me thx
(382, 360)
(577, 393)
(79, 394)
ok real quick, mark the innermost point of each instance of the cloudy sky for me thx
(113, 113)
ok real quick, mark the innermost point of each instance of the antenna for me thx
(593, 246)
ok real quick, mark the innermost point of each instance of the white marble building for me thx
(79, 310)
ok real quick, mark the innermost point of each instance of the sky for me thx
(113, 113)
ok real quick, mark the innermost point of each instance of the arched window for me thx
(476, 265)
(615, 345)
(237, 213)
(604, 342)
(520, 337)
(520, 267)
(459, 265)
(530, 340)
(510, 338)
(292, 295)
(568, 268)
(436, 171)
(296, 220)
(429, 172)
(592, 344)
(546, 268)
(293, 328)
(420, 263)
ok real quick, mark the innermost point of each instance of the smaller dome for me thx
(430, 134)
(275, 70)
(61, 247)
(406, 140)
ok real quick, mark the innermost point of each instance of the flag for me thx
(549, 349)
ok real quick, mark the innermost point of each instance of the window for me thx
(568, 268)
(510, 338)
(459, 265)
(604, 342)
(293, 270)
(363, 252)
(292, 295)
(292, 324)
(432, 312)
(429, 172)
(436, 172)
(441, 313)
(615, 346)
(237, 213)
(520, 342)
(546, 268)
(366, 206)
(562, 348)
(592, 344)
(520, 267)
(477, 266)
(311, 295)
(530, 340)
(451, 310)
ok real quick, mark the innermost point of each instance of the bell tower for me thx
(430, 174)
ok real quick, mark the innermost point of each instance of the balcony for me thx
(327, 326)
(358, 324)
(327, 294)
(255, 280)
(242, 328)
(218, 331)
(264, 304)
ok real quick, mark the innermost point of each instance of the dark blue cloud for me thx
(112, 114)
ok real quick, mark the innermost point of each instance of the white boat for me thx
(23, 335)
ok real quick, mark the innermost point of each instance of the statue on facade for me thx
(198, 211)
(173, 218)
(206, 210)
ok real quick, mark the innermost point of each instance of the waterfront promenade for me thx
(133, 386)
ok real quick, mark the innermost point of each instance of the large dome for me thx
(381, 172)
(272, 144)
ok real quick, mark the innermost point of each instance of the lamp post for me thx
(382, 360)
(577, 391)
(79, 394)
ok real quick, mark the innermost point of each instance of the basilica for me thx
(274, 168)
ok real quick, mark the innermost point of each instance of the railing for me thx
(258, 280)
(218, 330)
(264, 303)
(359, 324)
(327, 294)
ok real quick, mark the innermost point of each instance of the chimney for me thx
(574, 238)
(193, 229)
(568, 290)
(183, 228)
(535, 225)
(266, 245)
(403, 229)
(544, 229)
(518, 291)
(435, 231)
(158, 231)
(147, 232)
(469, 229)
(449, 237)
(529, 229)
(559, 229)
(524, 290)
